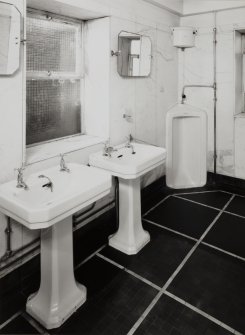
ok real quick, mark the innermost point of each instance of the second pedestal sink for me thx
(129, 164)
(51, 210)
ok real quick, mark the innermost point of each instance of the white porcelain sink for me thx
(38, 207)
(59, 295)
(126, 165)
(129, 164)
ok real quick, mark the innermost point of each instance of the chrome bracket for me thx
(115, 53)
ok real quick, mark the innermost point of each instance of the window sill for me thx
(49, 150)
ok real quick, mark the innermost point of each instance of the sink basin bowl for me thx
(38, 207)
(126, 165)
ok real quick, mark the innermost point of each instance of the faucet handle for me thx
(129, 138)
(107, 143)
(20, 169)
(63, 166)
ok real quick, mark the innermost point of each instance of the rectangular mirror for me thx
(10, 27)
(134, 56)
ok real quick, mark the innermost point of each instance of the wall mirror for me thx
(134, 55)
(10, 27)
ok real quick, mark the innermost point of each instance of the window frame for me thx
(243, 70)
(46, 75)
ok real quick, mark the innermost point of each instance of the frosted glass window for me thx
(53, 102)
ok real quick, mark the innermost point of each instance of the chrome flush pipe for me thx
(214, 87)
(215, 96)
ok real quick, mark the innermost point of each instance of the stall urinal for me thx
(186, 143)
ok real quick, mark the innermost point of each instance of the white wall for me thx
(196, 67)
(198, 6)
(173, 5)
(147, 99)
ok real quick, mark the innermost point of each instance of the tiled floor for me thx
(189, 280)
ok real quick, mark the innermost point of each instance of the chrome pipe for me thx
(215, 98)
(214, 87)
(8, 231)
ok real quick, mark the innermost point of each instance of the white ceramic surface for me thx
(126, 165)
(186, 130)
(38, 207)
(129, 165)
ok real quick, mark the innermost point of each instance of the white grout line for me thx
(224, 251)
(197, 310)
(236, 194)
(195, 202)
(198, 192)
(192, 238)
(227, 192)
(172, 195)
(155, 206)
(237, 215)
(34, 324)
(171, 230)
(111, 261)
(10, 319)
(146, 281)
(178, 195)
(176, 272)
(89, 257)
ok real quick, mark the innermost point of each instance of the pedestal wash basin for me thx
(51, 209)
(129, 164)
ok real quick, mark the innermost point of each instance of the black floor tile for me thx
(214, 282)
(228, 234)
(169, 317)
(152, 198)
(214, 199)
(115, 301)
(158, 259)
(11, 305)
(18, 326)
(92, 236)
(237, 206)
(183, 216)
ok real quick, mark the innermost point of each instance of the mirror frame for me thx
(15, 38)
(119, 54)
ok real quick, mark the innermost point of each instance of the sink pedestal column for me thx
(131, 237)
(59, 295)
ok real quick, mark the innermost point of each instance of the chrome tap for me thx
(49, 185)
(107, 151)
(63, 166)
(20, 178)
(129, 144)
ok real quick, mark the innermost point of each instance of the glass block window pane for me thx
(53, 89)
(51, 45)
(53, 109)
